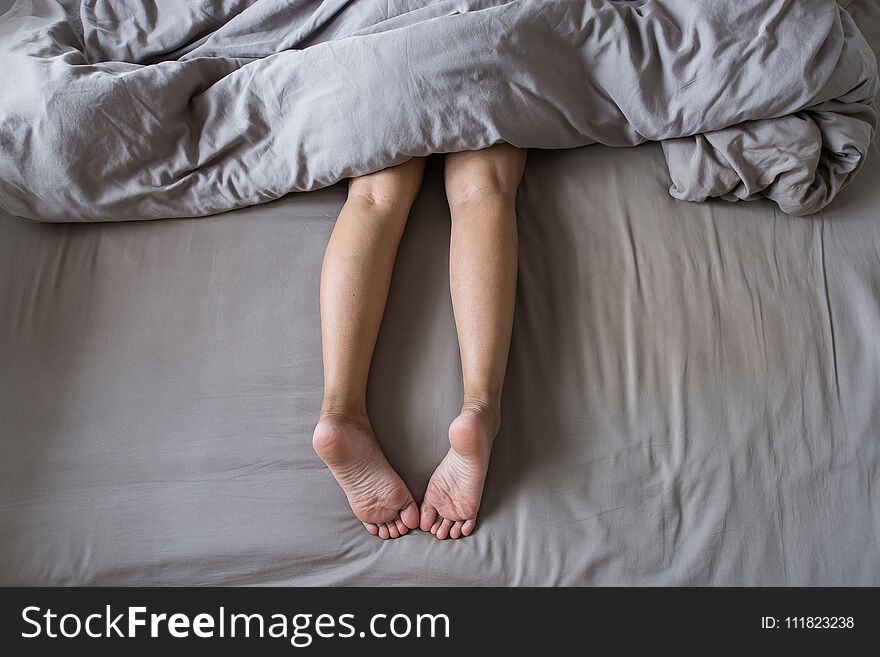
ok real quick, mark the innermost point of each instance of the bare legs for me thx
(354, 288)
(481, 187)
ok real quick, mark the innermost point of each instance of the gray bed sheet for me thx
(693, 395)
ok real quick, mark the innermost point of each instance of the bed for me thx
(692, 398)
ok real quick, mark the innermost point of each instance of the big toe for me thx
(428, 517)
(409, 515)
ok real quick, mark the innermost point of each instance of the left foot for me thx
(453, 496)
(375, 492)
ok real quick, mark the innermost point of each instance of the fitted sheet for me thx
(693, 392)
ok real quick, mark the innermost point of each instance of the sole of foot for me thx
(452, 499)
(376, 493)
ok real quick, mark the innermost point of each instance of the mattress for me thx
(692, 398)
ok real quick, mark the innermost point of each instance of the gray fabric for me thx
(119, 110)
(693, 394)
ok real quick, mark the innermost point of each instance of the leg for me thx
(354, 287)
(481, 188)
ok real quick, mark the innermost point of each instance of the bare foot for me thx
(453, 496)
(376, 493)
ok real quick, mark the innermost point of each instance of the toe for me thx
(409, 516)
(372, 528)
(392, 529)
(445, 526)
(428, 517)
(401, 527)
(436, 525)
(383, 531)
(468, 527)
(455, 531)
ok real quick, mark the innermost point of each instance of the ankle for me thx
(351, 414)
(337, 420)
(488, 412)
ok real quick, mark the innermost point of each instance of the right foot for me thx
(376, 493)
(455, 490)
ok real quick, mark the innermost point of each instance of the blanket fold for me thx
(113, 110)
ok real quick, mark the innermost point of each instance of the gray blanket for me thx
(162, 108)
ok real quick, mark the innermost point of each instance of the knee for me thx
(481, 188)
(376, 194)
(490, 176)
(389, 189)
